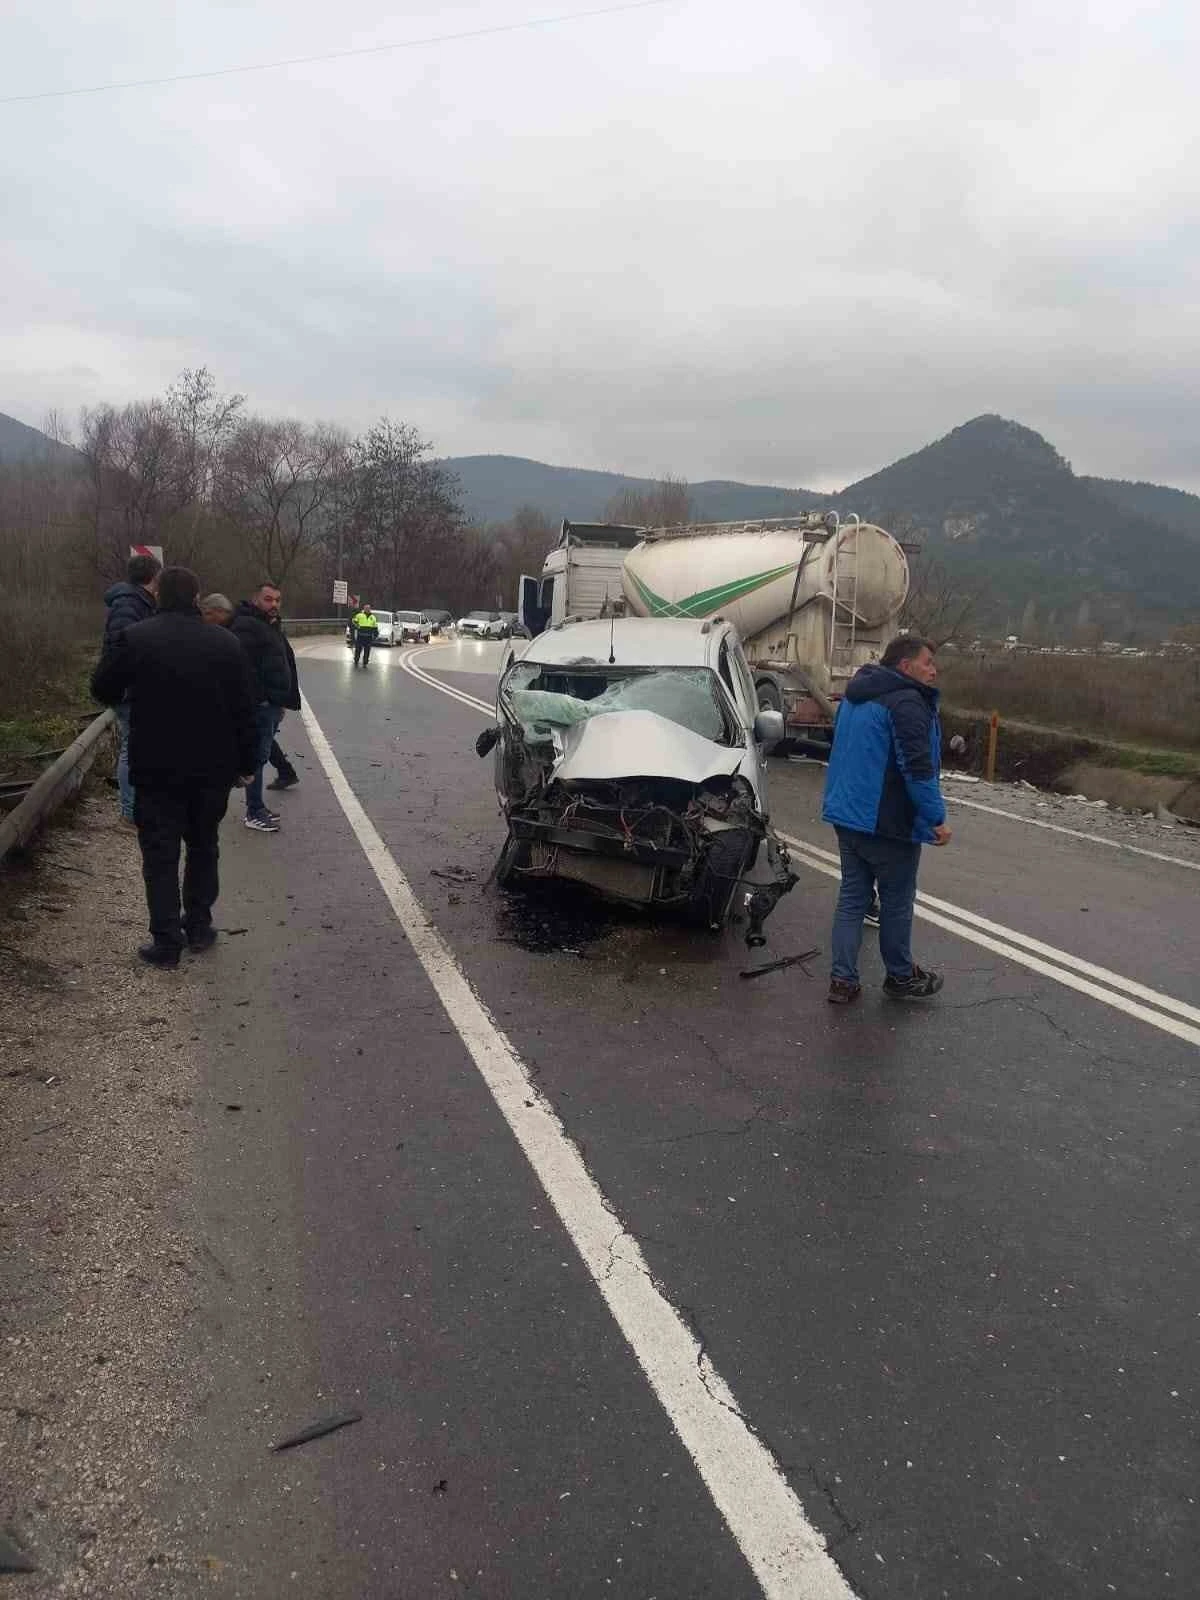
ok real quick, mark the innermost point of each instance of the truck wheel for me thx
(726, 863)
(514, 854)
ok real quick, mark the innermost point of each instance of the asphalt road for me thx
(943, 1258)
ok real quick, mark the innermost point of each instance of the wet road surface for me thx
(942, 1257)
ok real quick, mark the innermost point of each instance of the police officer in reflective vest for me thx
(366, 631)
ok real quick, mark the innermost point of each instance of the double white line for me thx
(1160, 1010)
(1111, 988)
(409, 662)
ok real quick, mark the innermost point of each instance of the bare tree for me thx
(400, 517)
(666, 505)
(520, 547)
(937, 607)
(276, 481)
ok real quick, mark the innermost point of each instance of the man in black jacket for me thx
(129, 602)
(192, 733)
(255, 627)
(286, 776)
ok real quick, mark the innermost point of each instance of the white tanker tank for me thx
(813, 598)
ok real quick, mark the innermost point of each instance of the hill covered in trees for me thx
(992, 504)
(494, 488)
(1002, 511)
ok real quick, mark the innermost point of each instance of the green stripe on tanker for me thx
(705, 601)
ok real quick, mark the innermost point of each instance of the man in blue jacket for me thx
(882, 796)
(129, 602)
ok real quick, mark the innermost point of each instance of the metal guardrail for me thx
(54, 786)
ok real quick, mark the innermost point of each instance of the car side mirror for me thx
(768, 727)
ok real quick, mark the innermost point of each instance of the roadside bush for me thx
(1153, 701)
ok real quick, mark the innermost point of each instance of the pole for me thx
(339, 573)
(989, 770)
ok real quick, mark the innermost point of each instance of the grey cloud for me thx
(778, 245)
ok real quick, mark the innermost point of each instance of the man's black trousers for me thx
(168, 817)
(362, 647)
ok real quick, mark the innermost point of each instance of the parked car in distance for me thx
(387, 628)
(412, 626)
(481, 625)
(440, 622)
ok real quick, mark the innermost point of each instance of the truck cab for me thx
(581, 576)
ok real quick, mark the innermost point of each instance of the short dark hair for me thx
(906, 647)
(177, 589)
(142, 569)
(267, 583)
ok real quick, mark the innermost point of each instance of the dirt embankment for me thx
(98, 1256)
(1068, 763)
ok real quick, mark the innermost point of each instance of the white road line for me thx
(1071, 971)
(1075, 833)
(784, 1551)
(409, 664)
(821, 861)
(1114, 980)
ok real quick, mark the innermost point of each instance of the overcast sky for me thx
(726, 238)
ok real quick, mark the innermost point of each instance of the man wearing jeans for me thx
(129, 602)
(882, 796)
(263, 643)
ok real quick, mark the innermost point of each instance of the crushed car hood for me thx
(640, 744)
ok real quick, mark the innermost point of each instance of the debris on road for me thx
(318, 1430)
(454, 874)
(778, 966)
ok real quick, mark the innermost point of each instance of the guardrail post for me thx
(989, 766)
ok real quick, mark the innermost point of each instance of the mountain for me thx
(1003, 512)
(1174, 508)
(19, 443)
(495, 486)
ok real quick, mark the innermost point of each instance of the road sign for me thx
(154, 550)
(339, 592)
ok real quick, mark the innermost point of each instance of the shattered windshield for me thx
(544, 697)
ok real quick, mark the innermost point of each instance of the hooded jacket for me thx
(887, 754)
(266, 652)
(127, 603)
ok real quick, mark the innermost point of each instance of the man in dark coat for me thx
(255, 627)
(883, 798)
(129, 602)
(192, 736)
(286, 776)
(217, 609)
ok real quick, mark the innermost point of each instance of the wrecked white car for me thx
(629, 757)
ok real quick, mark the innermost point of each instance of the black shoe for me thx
(842, 992)
(202, 939)
(285, 780)
(871, 920)
(921, 985)
(155, 954)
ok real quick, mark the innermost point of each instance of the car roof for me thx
(634, 641)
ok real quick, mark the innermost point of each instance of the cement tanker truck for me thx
(813, 597)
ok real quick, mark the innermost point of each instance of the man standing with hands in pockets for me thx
(882, 797)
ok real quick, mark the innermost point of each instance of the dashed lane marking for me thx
(783, 1550)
